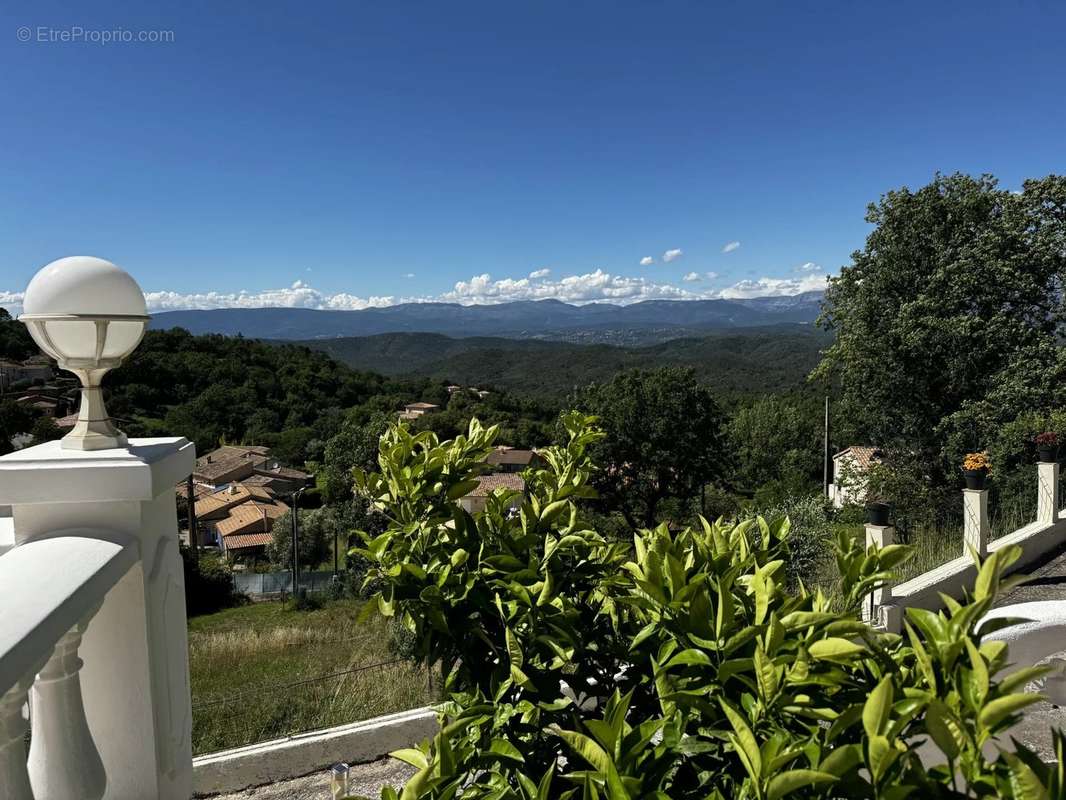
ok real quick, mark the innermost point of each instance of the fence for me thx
(280, 582)
(265, 712)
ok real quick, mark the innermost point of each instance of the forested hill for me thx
(757, 359)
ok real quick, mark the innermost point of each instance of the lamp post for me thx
(296, 534)
(87, 314)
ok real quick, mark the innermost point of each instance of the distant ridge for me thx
(744, 359)
(550, 319)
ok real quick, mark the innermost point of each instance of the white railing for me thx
(52, 587)
(1037, 540)
(93, 647)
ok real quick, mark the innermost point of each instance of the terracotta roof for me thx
(423, 406)
(198, 489)
(246, 540)
(510, 455)
(283, 473)
(266, 482)
(863, 456)
(251, 517)
(69, 421)
(487, 484)
(229, 497)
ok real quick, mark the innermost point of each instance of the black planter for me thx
(1049, 455)
(975, 478)
(877, 513)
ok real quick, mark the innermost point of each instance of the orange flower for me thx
(977, 461)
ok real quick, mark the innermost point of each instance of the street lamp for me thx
(296, 534)
(87, 314)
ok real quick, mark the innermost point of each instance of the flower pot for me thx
(975, 478)
(1049, 455)
(877, 513)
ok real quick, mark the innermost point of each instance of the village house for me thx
(232, 463)
(512, 459)
(32, 369)
(415, 410)
(851, 467)
(238, 519)
(476, 500)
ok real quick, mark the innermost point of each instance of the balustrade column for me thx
(64, 762)
(975, 521)
(1047, 492)
(879, 536)
(14, 778)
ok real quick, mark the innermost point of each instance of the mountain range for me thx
(638, 323)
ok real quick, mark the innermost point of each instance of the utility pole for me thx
(825, 455)
(194, 532)
(295, 551)
(296, 536)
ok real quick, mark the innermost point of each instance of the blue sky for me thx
(338, 154)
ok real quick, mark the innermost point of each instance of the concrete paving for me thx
(1046, 581)
(366, 780)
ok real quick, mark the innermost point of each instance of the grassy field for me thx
(265, 670)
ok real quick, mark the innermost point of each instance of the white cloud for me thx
(408, 275)
(647, 261)
(730, 247)
(672, 255)
(590, 287)
(773, 287)
(808, 266)
(596, 286)
(299, 295)
(12, 302)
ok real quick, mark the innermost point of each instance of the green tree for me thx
(948, 321)
(45, 430)
(15, 340)
(354, 445)
(314, 537)
(15, 418)
(665, 439)
(774, 440)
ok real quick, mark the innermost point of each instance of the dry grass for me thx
(263, 671)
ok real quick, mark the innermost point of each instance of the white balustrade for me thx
(1037, 540)
(63, 760)
(14, 777)
(92, 632)
(975, 521)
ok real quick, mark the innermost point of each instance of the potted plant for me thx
(1047, 446)
(975, 468)
(877, 511)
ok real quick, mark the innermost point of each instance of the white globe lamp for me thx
(88, 315)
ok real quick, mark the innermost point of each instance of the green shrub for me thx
(684, 666)
(208, 584)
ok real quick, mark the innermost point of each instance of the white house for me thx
(850, 469)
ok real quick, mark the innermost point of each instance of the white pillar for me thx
(135, 679)
(879, 536)
(14, 777)
(63, 761)
(1047, 492)
(975, 521)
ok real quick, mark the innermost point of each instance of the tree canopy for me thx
(948, 321)
(664, 439)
